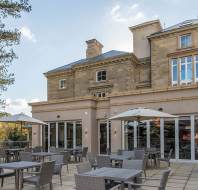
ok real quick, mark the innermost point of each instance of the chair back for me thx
(83, 167)
(2, 153)
(37, 149)
(53, 149)
(84, 182)
(119, 152)
(66, 157)
(84, 152)
(139, 154)
(132, 164)
(46, 173)
(91, 158)
(26, 156)
(58, 158)
(170, 154)
(103, 161)
(108, 151)
(164, 178)
(128, 153)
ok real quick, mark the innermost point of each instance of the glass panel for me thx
(61, 134)
(189, 72)
(69, 134)
(103, 138)
(184, 138)
(53, 134)
(110, 135)
(196, 66)
(129, 136)
(141, 135)
(196, 138)
(46, 138)
(169, 137)
(78, 134)
(183, 75)
(185, 41)
(155, 134)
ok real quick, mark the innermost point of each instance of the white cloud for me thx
(27, 33)
(18, 105)
(128, 14)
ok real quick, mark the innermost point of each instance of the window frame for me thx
(100, 94)
(195, 67)
(174, 83)
(60, 85)
(101, 76)
(180, 41)
(185, 81)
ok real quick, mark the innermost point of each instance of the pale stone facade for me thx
(139, 79)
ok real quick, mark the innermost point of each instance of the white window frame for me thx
(196, 67)
(185, 81)
(172, 66)
(60, 85)
(187, 45)
(101, 79)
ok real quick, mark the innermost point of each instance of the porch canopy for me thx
(140, 114)
(22, 119)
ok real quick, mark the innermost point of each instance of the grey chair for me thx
(139, 154)
(6, 174)
(84, 182)
(3, 155)
(37, 149)
(84, 167)
(66, 160)
(167, 159)
(132, 164)
(53, 149)
(59, 162)
(25, 156)
(82, 154)
(44, 177)
(108, 150)
(129, 153)
(103, 161)
(92, 159)
(162, 182)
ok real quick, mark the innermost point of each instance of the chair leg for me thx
(51, 186)
(67, 168)
(2, 181)
(61, 179)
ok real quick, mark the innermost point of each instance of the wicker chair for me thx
(53, 149)
(66, 160)
(44, 177)
(92, 160)
(25, 156)
(129, 153)
(84, 182)
(37, 149)
(139, 154)
(167, 160)
(133, 164)
(103, 161)
(162, 185)
(3, 155)
(6, 174)
(59, 162)
(83, 154)
(84, 167)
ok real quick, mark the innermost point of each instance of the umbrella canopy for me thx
(138, 114)
(22, 118)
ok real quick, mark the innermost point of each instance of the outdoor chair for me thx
(53, 149)
(103, 161)
(3, 155)
(37, 149)
(162, 182)
(84, 167)
(108, 150)
(84, 182)
(167, 160)
(132, 164)
(6, 174)
(129, 153)
(44, 177)
(139, 154)
(59, 162)
(26, 156)
(92, 159)
(83, 154)
(66, 159)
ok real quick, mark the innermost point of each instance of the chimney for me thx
(94, 48)
(141, 46)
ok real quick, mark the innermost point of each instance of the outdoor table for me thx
(43, 155)
(120, 157)
(19, 167)
(14, 151)
(115, 174)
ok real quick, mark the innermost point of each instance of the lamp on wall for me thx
(86, 131)
(115, 132)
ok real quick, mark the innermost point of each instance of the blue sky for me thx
(54, 34)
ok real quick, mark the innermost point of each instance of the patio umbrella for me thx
(139, 114)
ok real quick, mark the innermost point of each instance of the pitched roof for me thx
(107, 55)
(178, 26)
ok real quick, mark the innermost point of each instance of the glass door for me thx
(52, 134)
(105, 137)
(61, 134)
(69, 134)
(129, 136)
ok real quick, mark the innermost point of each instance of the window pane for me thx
(78, 134)
(69, 134)
(185, 41)
(155, 134)
(189, 71)
(175, 73)
(129, 136)
(53, 134)
(61, 135)
(183, 77)
(196, 66)
(196, 58)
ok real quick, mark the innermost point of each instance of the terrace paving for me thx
(184, 176)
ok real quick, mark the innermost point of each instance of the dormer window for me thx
(101, 76)
(62, 84)
(185, 41)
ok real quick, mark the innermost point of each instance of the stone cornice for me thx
(183, 51)
(170, 32)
